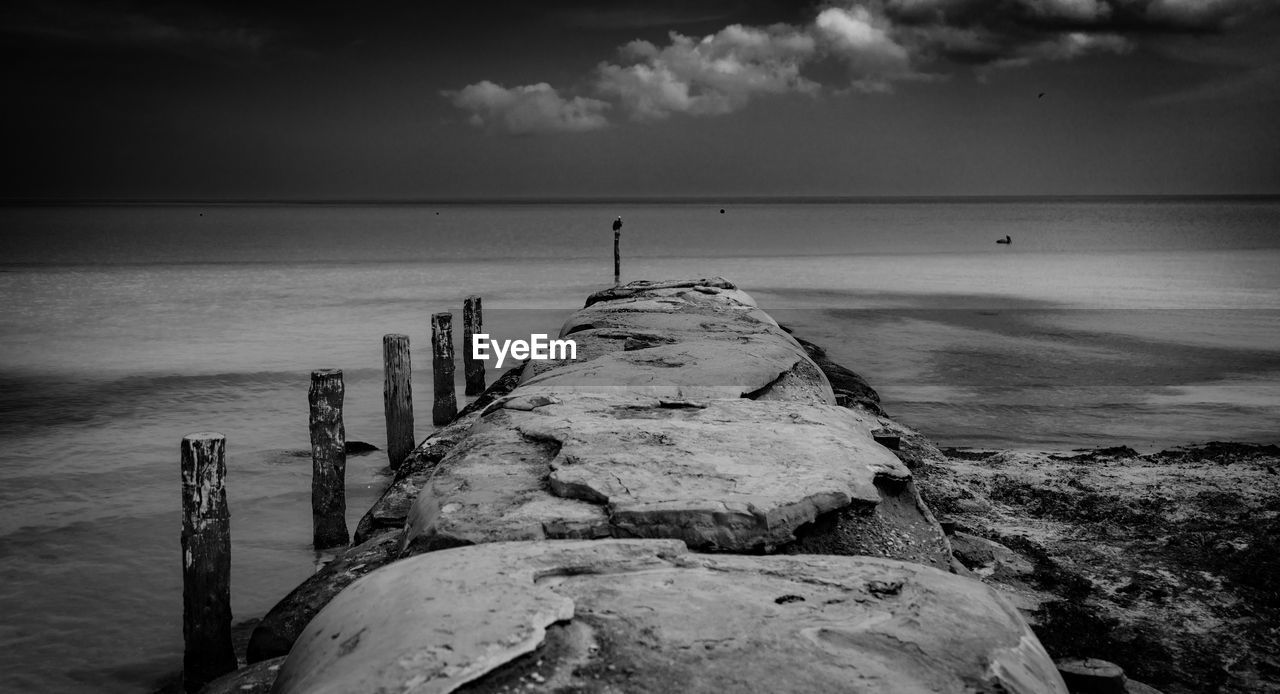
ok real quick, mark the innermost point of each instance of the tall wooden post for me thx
(446, 403)
(472, 325)
(328, 460)
(397, 397)
(206, 561)
(617, 256)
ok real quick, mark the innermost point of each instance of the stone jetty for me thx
(683, 507)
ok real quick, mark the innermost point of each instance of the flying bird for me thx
(1041, 95)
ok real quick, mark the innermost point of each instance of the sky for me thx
(110, 99)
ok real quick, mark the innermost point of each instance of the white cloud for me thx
(717, 74)
(534, 108)
(863, 41)
(652, 92)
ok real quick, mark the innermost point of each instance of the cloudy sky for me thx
(109, 99)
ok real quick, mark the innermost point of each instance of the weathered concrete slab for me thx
(701, 322)
(696, 369)
(640, 286)
(492, 487)
(681, 340)
(726, 475)
(678, 306)
(729, 475)
(682, 309)
(647, 616)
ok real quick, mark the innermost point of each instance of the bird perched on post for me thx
(617, 224)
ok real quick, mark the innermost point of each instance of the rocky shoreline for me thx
(1163, 564)
(1166, 563)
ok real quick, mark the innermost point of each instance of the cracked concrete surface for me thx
(647, 616)
(729, 475)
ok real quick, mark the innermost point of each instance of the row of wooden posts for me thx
(206, 525)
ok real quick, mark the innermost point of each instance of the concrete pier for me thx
(618, 523)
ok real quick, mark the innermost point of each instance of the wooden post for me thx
(446, 404)
(206, 561)
(328, 460)
(617, 254)
(397, 397)
(472, 325)
(1093, 676)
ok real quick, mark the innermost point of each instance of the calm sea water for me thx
(122, 328)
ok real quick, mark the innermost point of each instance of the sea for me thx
(1146, 322)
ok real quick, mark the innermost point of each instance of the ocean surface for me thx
(1144, 322)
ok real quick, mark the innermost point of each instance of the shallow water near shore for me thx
(1106, 322)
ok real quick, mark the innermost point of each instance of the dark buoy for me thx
(1006, 240)
(721, 210)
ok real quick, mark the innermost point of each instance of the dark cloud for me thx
(1015, 32)
(637, 16)
(666, 15)
(191, 30)
(1124, 16)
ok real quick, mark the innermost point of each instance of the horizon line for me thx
(632, 199)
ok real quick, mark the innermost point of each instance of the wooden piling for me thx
(206, 561)
(472, 325)
(617, 257)
(397, 397)
(446, 403)
(328, 460)
(1093, 676)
